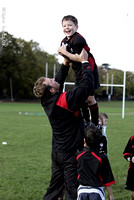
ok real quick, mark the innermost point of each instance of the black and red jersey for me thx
(128, 154)
(93, 168)
(63, 111)
(75, 45)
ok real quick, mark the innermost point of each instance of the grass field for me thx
(25, 163)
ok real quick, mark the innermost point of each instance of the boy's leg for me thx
(85, 112)
(94, 113)
(94, 110)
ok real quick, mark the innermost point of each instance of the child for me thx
(129, 156)
(103, 119)
(94, 171)
(72, 45)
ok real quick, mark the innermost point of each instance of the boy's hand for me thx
(62, 50)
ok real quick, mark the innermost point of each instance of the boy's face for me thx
(105, 121)
(69, 28)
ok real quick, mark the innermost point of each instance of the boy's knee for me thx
(132, 195)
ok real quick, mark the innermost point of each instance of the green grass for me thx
(25, 162)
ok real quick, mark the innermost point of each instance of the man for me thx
(63, 111)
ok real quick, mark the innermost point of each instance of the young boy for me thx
(94, 171)
(103, 119)
(129, 156)
(72, 45)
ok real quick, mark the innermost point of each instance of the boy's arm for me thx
(63, 52)
(110, 194)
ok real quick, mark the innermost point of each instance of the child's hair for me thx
(103, 115)
(93, 136)
(102, 118)
(41, 90)
(70, 18)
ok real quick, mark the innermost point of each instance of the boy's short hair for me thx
(93, 136)
(41, 90)
(103, 115)
(70, 18)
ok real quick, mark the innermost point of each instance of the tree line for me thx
(22, 62)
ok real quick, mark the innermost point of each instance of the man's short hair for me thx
(70, 18)
(41, 90)
(93, 136)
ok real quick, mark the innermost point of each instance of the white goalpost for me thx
(110, 85)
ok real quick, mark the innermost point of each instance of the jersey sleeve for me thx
(61, 75)
(106, 174)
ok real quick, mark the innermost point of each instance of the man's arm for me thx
(77, 97)
(62, 74)
(83, 56)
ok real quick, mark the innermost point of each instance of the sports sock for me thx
(85, 112)
(94, 110)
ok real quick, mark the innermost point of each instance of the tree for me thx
(23, 62)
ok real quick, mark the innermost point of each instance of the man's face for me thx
(51, 82)
(69, 28)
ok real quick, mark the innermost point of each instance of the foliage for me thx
(22, 62)
(114, 76)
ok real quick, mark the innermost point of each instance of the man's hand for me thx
(83, 56)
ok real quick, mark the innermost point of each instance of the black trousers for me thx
(64, 176)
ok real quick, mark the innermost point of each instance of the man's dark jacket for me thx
(63, 111)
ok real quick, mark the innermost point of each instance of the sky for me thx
(107, 26)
